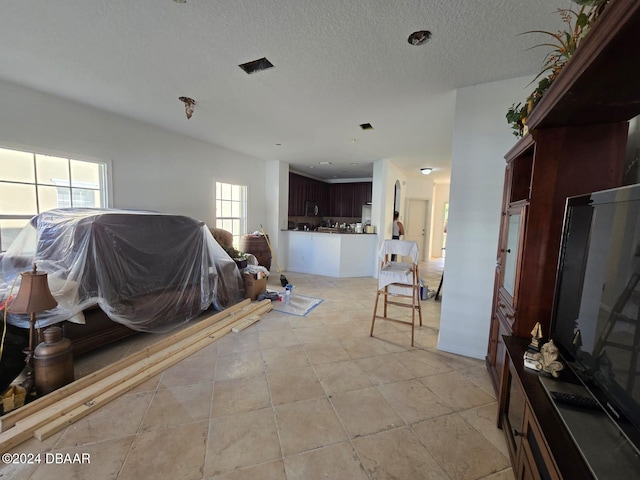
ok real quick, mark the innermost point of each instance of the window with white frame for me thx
(231, 209)
(31, 183)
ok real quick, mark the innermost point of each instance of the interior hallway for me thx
(295, 398)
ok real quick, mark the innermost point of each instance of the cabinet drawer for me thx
(505, 310)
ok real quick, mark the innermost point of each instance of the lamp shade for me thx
(34, 294)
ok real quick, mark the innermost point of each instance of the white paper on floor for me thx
(299, 305)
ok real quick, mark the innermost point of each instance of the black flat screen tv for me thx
(596, 314)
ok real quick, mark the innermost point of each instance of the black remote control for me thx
(576, 400)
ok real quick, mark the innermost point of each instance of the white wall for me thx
(481, 139)
(151, 168)
(277, 211)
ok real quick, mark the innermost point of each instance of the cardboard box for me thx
(253, 286)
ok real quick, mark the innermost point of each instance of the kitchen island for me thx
(331, 254)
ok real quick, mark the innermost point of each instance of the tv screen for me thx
(596, 321)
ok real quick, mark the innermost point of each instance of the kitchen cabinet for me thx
(303, 189)
(347, 199)
(333, 200)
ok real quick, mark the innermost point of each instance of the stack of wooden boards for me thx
(55, 411)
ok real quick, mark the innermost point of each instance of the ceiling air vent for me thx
(366, 126)
(256, 65)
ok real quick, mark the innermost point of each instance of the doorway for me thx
(416, 225)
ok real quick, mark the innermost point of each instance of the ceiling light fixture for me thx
(419, 38)
(426, 171)
(324, 163)
(180, 1)
(189, 104)
(366, 126)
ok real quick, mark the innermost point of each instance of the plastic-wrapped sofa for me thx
(117, 272)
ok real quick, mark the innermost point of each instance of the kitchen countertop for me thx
(330, 230)
(332, 254)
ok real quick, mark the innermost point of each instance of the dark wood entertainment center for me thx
(576, 144)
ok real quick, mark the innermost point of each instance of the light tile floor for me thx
(295, 398)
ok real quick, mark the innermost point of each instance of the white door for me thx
(415, 227)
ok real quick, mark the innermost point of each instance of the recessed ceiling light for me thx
(256, 65)
(325, 163)
(419, 38)
(278, 144)
(353, 164)
(180, 1)
(366, 126)
(426, 171)
(311, 166)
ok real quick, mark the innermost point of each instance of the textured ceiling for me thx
(338, 64)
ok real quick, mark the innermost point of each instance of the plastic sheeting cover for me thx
(149, 271)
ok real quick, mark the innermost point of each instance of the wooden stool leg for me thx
(375, 310)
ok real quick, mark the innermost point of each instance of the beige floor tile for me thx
(426, 337)
(272, 322)
(179, 405)
(349, 329)
(385, 369)
(413, 401)
(457, 391)
(366, 346)
(247, 342)
(309, 372)
(240, 395)
(97, 461)
(315, 334)
(265, 471)
(506, 474)
(176, 452)
(397, 337)
(397, 454)
(150, 385)
(118, 418)
(189, 371)
(238, 365)
(327, 352)
(307, 425)
(283, 337)
(241, 440)
(210, 351)
(461, 451)
(333, 462)
(20, 470)
(364, 412)
(480, 377)
(342, 376)
(294, 385)
(422, 363)
(283, 358)
(331, 318)
(484, 420)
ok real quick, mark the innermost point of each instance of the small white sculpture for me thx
(547, 359)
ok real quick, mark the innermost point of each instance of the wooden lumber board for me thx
(9, 420)
(246, 324)
(25, 428)
(120, 387)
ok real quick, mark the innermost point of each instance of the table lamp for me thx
(33, 297)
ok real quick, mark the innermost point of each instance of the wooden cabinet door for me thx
(335, 199)
(296, 195)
